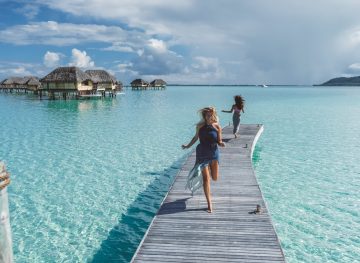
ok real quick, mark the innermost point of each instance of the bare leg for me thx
(214, 166)
(236, 124)
(206, 185)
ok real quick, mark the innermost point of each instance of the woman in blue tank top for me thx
(237, 108)
(208, 131)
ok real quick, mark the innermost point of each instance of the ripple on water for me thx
(88, 176)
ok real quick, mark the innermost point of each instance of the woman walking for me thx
(237, 108)
(208, 131)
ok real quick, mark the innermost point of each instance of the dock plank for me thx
(182, 230)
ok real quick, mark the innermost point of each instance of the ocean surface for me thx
(88, 176)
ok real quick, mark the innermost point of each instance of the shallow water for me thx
(88, 176)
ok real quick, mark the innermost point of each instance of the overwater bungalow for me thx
(13, 84)
(66, 81)
(139, 84)
(33, 84)
(102, 81)
(158, 84)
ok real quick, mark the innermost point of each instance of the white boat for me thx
(263, 86)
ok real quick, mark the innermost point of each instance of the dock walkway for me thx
(182, 230)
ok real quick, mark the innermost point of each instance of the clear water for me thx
(88, 176)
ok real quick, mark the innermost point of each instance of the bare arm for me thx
(193, 140)
(229, 111)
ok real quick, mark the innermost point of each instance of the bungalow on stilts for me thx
(65, 81)
(139, 84)
(103, 82)
(158, 84)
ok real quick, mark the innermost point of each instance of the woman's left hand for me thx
(222, 144)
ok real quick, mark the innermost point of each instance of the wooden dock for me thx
(182, 230)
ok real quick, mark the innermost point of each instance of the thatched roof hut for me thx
(33, 83)
(102, 79)
(67, 78)
(66, 74)
(101, 76)
(13, 82)
(139, 83)
(28, 82)
(158, 83)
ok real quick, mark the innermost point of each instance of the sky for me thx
(184, 42)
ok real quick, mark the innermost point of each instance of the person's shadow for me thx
(177, 206)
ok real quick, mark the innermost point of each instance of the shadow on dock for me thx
(124, 238)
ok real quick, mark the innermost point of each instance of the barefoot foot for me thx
(235, 135)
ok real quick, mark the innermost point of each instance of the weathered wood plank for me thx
(182, 230)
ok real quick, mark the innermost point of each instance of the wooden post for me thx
(6, 254)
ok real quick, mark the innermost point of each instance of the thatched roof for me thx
(13, 81)
(158, 82)
(66, 74)
(33, 81)
(101, 76)
(139, 82)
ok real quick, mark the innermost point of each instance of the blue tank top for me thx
(207, 149)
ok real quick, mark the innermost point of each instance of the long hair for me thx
(239, 102)
(214, 118)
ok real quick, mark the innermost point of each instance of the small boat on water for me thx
(263, 86)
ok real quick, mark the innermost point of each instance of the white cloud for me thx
(30, 11)
(119, 48)
(355, 66)
(8, 69)
(52, 59)
(80, 59)
(253, 41)
(19, 71)
(157, 45)
(205, 63)
(65, 34)
(136, 13)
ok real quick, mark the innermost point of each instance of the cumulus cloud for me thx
(81, 59)
(52, 59)
(155, 59)
(253, 41)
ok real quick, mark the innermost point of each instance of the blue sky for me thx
(185, 42)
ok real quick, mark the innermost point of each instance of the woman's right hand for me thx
(184, 146)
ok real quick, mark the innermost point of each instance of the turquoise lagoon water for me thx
(88, 176)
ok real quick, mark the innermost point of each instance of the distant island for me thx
(342, 81)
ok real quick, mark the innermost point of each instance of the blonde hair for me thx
(214, 118)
